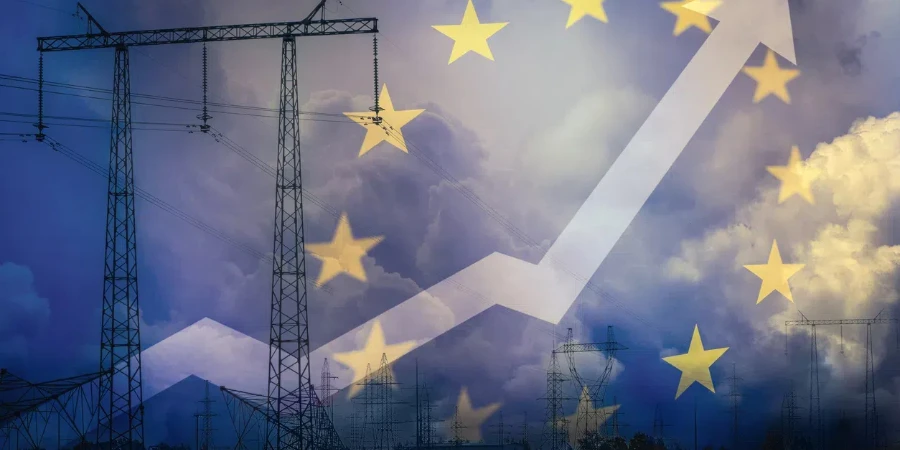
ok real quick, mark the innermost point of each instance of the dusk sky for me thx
(503, 155)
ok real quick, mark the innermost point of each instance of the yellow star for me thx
(343, 254)
(470, 35)
(389, 130)
(581, 8)
(370, 356)
(774, 275)
(694, 365)
(470, 420)
(793, 179)
(586, 417)
(771, 79)
(685, 18)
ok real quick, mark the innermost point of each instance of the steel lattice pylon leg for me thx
(289, 378)
(555, 434)
(871, 426)
(120, 392)
(815, 411)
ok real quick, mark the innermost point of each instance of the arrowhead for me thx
(768, 20)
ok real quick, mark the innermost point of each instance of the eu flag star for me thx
(470, 35)
(774, 275)
(389, 130)
(694, 365)
(471, 419)
(581, 8)
(686, 18)
(343, 254)
(360, 361)
(794, 180)
(771, 79)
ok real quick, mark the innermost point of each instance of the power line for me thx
(510, 229)
(21, 79)
(508, 226)
(165, 206)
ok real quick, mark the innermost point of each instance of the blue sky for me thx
(530, 133)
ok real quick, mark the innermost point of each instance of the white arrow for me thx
(610, 208)
(547, 290)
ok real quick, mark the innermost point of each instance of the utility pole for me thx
(428, 422)
(500, 431)
(695, 422)
(289, 412)
(418, 411)
(735, 397)
(659, 424)
(871, 422)
(525, 431)
(197, 431)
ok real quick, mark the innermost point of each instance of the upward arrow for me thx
(613, 204)
(548, 289)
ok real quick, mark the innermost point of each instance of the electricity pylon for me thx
(871, 414)
(290, 396)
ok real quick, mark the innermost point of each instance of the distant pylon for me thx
(789, 419)
(554, 436)
(659, 424)
(735, 395)
(456, 426)
(815, 410)
(206, 431)
(871, 411)
(525, 430)
(386, 387)
(427, 421)
(871, 414)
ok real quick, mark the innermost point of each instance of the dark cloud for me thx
(849, 54)
(23, 312)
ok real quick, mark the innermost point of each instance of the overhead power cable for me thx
(163, 205)
(305, 115)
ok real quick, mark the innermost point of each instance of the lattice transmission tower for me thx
(290, 398)
(554, 435)
(206, 428)
(871, 413)
(735, 396)
(659, 425)
(591, 419)
(789, 419)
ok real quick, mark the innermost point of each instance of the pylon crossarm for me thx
(839, 322)
(18, 396)
(257, 403)
(209, 34)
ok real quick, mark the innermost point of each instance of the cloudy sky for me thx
(499, 161)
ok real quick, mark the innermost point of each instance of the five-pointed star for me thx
(774, 274)
(771, 79)
(581, 8)
(370, 356)
(694, 365)
(685, 18)
(390, 128)
(470, 35)
(343, 254)
(470, 420)
(793, 179)
(585, 411)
